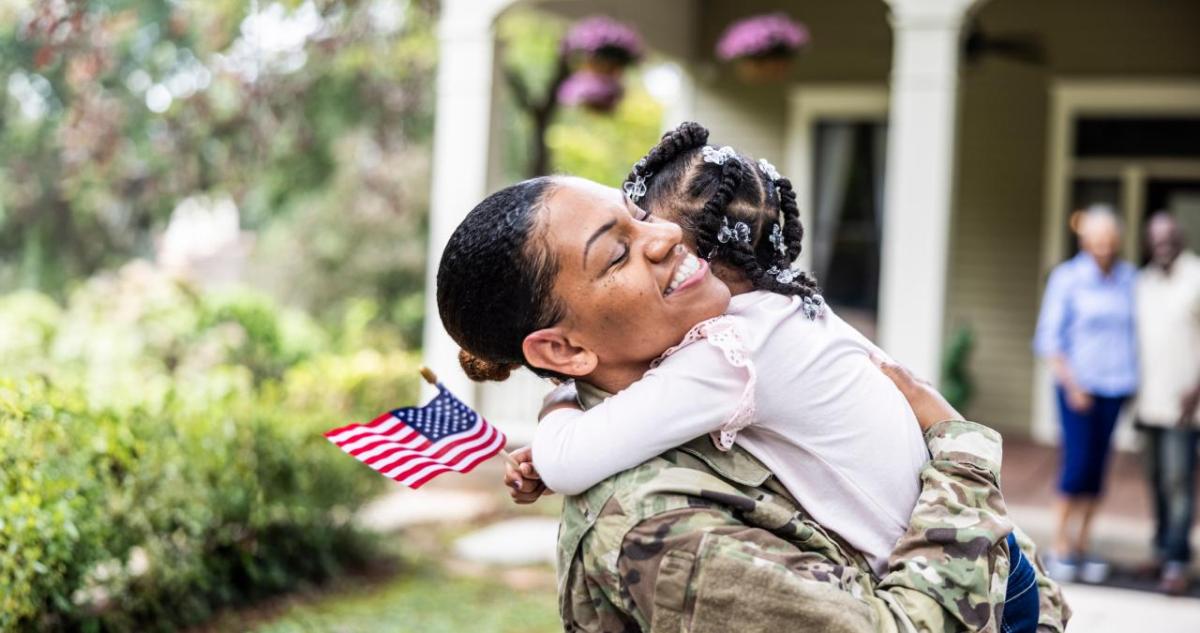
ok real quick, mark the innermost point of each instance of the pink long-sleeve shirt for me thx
(802, 395)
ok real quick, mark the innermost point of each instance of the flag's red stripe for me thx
(382, 425)
(382, 418)
(400, 450)
(403, 439)
(403, 456)
(341, 429)
(396, 431)
(392, 430)
(468, 461)
(398, 453)
(462, 463)
(406, 443)
(365, 453)
(416, 465)
(492, 450)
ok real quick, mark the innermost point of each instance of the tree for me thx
(115, 110)
(586, 64)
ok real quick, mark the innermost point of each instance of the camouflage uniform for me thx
(704, 541)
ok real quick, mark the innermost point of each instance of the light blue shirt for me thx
(1087, 317)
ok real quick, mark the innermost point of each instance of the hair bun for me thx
(689, 135)
(481, 370)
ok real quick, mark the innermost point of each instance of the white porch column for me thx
(462, 129)
(920, 170)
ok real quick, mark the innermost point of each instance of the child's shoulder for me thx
(724, 335)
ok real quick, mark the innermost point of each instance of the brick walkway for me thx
(1122, 530)
(1030, 478)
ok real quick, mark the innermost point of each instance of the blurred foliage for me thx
(160, 450)
(957, 384)
(605, 147)
(313, 117)
(599, 146)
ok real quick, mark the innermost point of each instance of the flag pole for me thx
(432, 379)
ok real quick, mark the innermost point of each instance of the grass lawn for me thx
(432, 592)
(426, 600)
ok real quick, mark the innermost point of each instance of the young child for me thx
(779, 373)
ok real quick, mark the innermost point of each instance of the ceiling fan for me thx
(1021, 47)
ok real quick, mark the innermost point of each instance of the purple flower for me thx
(762, 36)
(603, 36)
(591, 89)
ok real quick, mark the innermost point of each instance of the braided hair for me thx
(740, 213)
(495, 248)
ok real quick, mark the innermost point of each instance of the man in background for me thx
(1168, 332)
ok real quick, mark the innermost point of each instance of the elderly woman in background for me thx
(1086, 332)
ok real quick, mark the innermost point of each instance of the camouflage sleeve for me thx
(703, 571)
(1053, 610)
(702, 568)
(951, 556)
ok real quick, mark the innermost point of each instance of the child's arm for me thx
(695, 391)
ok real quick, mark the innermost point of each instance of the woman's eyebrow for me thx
(607, 226)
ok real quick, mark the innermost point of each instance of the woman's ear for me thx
(550, 349)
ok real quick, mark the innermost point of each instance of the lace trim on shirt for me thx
(722, 332)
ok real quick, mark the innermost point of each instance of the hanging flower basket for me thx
(763, 48)
(596, 91)
(761, 70)
(603, 45)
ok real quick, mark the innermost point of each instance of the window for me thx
(847, 200)
(836, 151)
(1131, 145)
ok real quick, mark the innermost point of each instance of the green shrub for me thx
(161, 453)
(47, 490)
(137, 520)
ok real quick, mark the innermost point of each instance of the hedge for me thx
(160, 462)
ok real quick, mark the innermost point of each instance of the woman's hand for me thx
(926, 402)
(1079, 400)
(523, 482)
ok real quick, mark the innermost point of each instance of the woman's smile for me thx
(689, 272)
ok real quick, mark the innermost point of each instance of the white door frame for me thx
(807, 104)
(1070, 98)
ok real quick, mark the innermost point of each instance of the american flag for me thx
(416, 444)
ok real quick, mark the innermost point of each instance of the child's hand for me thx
(563, 396)
(523, 482)
(926, 402)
